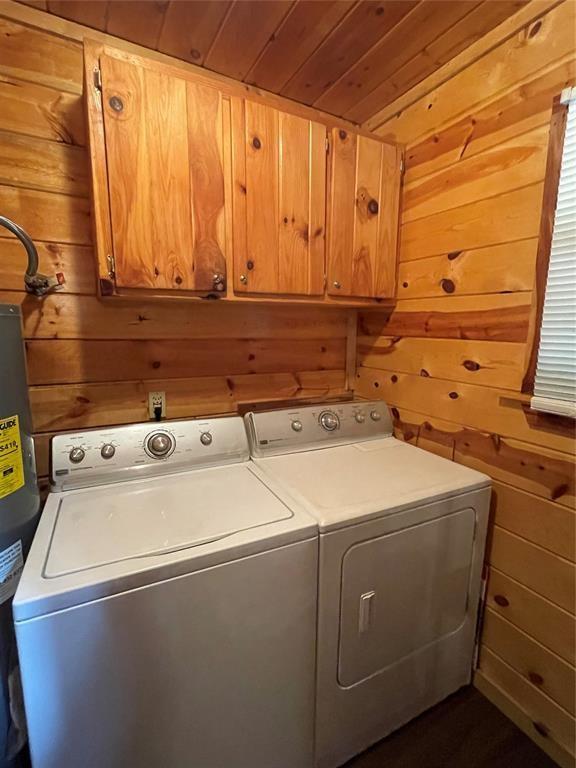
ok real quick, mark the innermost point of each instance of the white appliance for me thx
(166, 615)
(402, 536)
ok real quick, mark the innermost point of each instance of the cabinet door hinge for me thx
(327, 140)
(97, 78)
(111, 265)
(401, 166)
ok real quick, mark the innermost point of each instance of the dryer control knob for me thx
(206, 438)
(159, 445)
(296, 426)
(329, 421)
(360, 418)
(375, 415)
(76, 455)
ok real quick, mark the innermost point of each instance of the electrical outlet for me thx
(156, 400)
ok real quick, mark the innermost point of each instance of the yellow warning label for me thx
(11, 465)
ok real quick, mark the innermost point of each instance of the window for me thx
(555, 381)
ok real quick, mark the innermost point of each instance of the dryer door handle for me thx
(365, 611)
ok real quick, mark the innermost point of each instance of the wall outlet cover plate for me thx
(156, 400)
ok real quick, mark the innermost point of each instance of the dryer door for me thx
(402, 592)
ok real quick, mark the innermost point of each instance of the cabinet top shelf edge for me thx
(95, 48)
(138, 294)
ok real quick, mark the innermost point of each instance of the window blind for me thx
(555, 383)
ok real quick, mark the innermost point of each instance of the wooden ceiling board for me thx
(405, 40)
(89, 12)
(351, 58)
(190, 28)
(139, 22)
(485, 16)
(366, 23)
(243, 34)
(474, 25)
(303, 30)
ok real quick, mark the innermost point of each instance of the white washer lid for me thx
(106, 525)
(347, 484)
(97, 542)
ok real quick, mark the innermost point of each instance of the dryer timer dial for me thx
(329, 421)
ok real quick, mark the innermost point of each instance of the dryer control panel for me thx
(316, 426)
(97, 456)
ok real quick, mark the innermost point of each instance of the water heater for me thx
(19, 496)
(19, 507)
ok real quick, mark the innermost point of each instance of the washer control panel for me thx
(98, 456)
(316, 426)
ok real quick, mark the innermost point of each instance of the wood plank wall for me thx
(450, 359)
(92, 362)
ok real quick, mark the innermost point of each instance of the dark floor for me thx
(465, 731)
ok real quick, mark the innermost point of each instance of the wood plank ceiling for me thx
(347, 58)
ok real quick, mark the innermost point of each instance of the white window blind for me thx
(555, 384)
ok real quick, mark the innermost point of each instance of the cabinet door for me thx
(363, 216)
(279, 163)
(163, 138)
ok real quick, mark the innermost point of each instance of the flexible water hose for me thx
(34, 281)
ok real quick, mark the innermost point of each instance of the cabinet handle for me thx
(243, 279)
(373, 206)
(219, 282)
(336, 284)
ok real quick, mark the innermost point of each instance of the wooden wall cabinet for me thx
(201, 192)
(279, 199)
(363, 216)
(157, 158)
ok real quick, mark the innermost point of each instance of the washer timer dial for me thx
(159, 445)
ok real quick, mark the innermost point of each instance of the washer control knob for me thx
(107, 451)
(329, 421)
(297, 426)
(206, 438)
(375, 415)
(360, 418)
(159, 445)
(76, 455)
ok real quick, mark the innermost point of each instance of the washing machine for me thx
(402, 535)
(166, 614)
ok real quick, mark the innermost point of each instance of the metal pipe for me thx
(34, 282)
